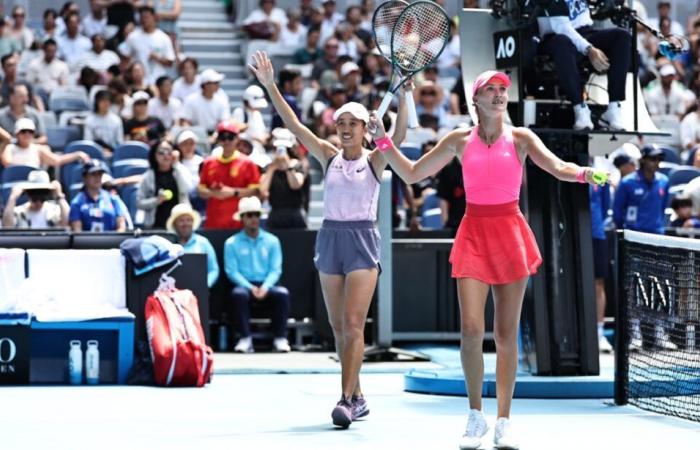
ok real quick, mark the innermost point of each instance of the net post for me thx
(621, 325)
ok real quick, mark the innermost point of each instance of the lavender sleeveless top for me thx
(351, 189)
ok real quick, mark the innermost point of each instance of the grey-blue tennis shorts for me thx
(344, 246)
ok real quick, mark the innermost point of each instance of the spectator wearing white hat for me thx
(27, 153)
(253, 263)
(183, 221)
(282, 183)
(40, 211)
(668, 97)
(149, 45)
(142, 126)
(206, 108)
(164, 106)
(187, 146)
(253, 101)
(102, 125)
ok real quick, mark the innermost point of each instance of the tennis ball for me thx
(600, 177)
(168, 194)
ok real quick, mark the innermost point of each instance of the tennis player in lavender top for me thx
(494, 247)
(347, 245)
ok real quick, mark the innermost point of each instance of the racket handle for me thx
(385, 105)
(411, 107)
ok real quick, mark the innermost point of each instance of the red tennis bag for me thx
(180, 354)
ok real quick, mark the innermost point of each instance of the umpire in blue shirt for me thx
(253, 262)
(641, 197)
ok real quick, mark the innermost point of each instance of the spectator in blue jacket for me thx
(640, 199)
(183, 221)
(95, 209)
(600, 204)
(253, 262)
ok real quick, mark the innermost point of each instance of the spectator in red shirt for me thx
(227, 178)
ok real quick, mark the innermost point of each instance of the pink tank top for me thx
(492, 175)
(351, 189)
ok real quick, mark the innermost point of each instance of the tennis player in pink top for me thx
(347, 245)
(494, 247)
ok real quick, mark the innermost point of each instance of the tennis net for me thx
(657, 358)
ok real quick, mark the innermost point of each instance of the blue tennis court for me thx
(265, 409)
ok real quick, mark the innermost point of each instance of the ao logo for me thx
(8, 350)
(506, 47)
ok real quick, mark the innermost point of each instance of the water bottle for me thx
(75, 363)
(223, 333)
(92, 363)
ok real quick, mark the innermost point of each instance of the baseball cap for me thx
(348, 68)
(94, 165)
(140, 96)
(621, 160)
(210, 76)
(283, 137)
(651, 151)
(24, 123)
(485, 77)
(356, 109)
(666, 70)
(228, 126)
(255, 97)
(185, 135)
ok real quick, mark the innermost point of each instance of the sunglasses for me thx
(25, 131)
(227, 137)
(251, 214)
(164, 152)
(426, 93)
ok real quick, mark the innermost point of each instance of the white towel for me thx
(11, 276)
(77, 284)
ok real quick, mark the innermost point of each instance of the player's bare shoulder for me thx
(456, 139)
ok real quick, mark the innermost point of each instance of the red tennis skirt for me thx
(494, 244)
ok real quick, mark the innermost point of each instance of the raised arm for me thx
(429, 164)
(530, 143)
(320, 149)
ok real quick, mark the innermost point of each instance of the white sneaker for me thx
(244, 345)
(503, 437)
(583, 117)
(281, 345)
(604, 346)
(476, 429)
(612, 117)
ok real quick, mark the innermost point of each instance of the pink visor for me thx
(485, 77)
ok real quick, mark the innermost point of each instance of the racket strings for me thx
(419, 36)
(383, 23)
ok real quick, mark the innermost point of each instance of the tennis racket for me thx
(383, 22)
(419, 36)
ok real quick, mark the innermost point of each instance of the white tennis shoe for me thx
(503, 437)
(476, 429)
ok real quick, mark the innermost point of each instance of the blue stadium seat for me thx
(667, 167)
(10, 177)
(128, 196)
(431, 201)
(126, 170)
(412, 152)
(130, 150)
(691, 157)
(431, 218)
(671, 155)
(682, 175)
(59, 137)
(93, 150)
(73, 179)
(68, 98)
